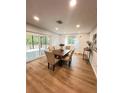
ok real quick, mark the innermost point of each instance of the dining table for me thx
(59, 54)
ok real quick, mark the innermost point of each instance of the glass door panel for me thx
(35, 45)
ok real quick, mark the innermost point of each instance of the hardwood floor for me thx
(79, 78)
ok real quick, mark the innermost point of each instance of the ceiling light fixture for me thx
(36, 18)
(57, 28)
(77, 26)
(72, 3)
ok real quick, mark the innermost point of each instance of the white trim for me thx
(27, 61)
(94, 69)
(32, 50)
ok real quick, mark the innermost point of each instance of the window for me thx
(71, 40)
(44, 40)
(35, 45)
(36, 41)
(29, 44)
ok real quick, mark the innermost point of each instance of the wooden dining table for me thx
(59, 54)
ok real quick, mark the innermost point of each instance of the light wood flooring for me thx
(79, 78)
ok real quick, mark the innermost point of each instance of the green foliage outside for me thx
(29, 39)
(44, 40)
(71, 40)
(35, 40)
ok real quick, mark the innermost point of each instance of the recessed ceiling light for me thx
(77, 26)
(36, 18)
(72, 3)
(57, 28)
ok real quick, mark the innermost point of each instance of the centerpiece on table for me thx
(61, 46)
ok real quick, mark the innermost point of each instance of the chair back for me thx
(72, 53)
(51, 48)
(54, 48)
(68, 47)
(50, 57)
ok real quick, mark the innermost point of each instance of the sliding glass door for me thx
(35, 45)
(29, 44)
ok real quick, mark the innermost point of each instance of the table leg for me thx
(60, 63)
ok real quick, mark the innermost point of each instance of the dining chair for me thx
(68, 58)
(51, 48)
(68, 47)
(51, 59)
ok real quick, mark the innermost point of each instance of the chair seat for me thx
(57, 57)
(67, 58)
(56, 60)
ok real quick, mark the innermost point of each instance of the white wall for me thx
(80, 41)
(93, 56)
(62, 39)
(92, 33)
(55, 40)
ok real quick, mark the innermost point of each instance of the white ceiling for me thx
(49, 11)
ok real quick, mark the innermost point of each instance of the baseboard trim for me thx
(34, 59)
(93, 69)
